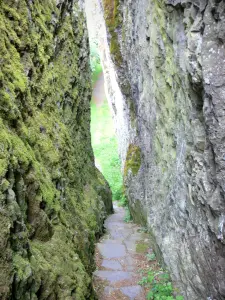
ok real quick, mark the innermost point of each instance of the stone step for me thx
(112, 250)
(133, 292)
(114, 276)
(111, 264)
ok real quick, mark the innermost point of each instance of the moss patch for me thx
(142, 248)
(133, 160)
(113, 20)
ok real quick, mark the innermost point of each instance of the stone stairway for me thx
(120, 257)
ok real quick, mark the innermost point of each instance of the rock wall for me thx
(169, 59)
(52, 199)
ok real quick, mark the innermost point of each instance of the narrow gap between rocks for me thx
(122, 253)
(126, 266)
(103, 136)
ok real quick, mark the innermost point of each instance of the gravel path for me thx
(120, 257)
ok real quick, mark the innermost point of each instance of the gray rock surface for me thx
(169, 61)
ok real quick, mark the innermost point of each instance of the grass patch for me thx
(104, 144)
(103, 136)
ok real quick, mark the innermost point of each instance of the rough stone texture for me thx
(171, 74)
(52, 199)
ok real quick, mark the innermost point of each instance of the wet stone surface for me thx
(119, 259)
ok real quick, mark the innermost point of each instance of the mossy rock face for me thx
(52, 200)
(133, 160)
(113, 20)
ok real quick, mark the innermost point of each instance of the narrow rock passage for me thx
(120, 257)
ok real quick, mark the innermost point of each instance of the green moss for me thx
(115, 49)
(49, 191)
(22, 267)
(70, 268)
(4, 185)
(142, 248)
(133, 160)
(113, 21)
(112, 14)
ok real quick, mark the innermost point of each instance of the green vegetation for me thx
(142, 247)
(96, 68)
(123, 199)
(151, 257)
(105, 147)
(133, 160)
(104, 141)
(158, 282)
(128, 217)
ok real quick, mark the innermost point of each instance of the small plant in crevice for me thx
(123, 200)
(128, 217)
(159, 283)
(143, 229)
(151, 257)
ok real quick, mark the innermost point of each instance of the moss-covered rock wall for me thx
(52, 199)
